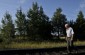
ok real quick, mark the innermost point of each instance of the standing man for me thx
(69, 38)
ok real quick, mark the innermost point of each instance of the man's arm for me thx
(72, 34)
(72, 37)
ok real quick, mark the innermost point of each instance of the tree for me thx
(45, 25)
(58, 21)
(21, 23)
(7, 30)
(39, 24)
(71, 23)
(80, 25)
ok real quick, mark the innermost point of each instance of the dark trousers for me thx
(69, 44)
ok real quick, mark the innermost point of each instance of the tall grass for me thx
(33, 44)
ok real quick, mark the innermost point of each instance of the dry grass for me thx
(39, 45)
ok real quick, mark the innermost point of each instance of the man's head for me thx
(67, 26)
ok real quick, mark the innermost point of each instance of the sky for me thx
(70, 8)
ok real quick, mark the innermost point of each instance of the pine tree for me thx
(58, 21)
(21, 23)
(39, 24)
(80, 25)
(7, 30)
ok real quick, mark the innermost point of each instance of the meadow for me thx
(35, 44)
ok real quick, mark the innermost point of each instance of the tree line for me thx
(35, 25)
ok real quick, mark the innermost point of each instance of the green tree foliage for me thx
(58, 22)
(71, 23)
(21, 23)
(80, 25)
(7, 30)
(39, 24)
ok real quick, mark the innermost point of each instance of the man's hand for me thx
(66, 38)
(72, 38)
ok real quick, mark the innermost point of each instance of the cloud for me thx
(82, 5)
(22, 1)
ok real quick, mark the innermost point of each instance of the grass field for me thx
(38, 44)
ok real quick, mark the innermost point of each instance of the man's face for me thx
(66, 26)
